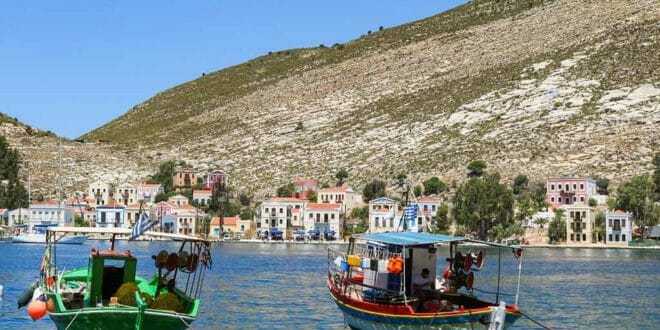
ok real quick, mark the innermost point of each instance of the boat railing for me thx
(350, 280)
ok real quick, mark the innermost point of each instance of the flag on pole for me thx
(141, 226)
(410, 216)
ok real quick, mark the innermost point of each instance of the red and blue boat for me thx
(381, 284)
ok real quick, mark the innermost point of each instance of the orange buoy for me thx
(50, 281)
(395, 265)
(50, 305)
(36, 309)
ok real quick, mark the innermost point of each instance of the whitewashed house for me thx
(147, 192)
(178, 200)
(427, 209)
(202, 197)
(111, 216)
(99, 191)
(344, 195)
(50, 213)
(275, 214)
(384, 215)
(126, 193)
(326, 218)
(20, 216)
(618, 227)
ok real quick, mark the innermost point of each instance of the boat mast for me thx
(59, 182)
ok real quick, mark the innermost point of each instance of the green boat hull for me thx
(119, 318)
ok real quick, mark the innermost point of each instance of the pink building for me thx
(216, 177)
(569, 191)
(302, 186)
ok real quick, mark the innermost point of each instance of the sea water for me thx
(283, 285)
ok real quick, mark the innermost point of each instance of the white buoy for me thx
(1, 290)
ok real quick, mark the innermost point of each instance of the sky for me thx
(72, 66)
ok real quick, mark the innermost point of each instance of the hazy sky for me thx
(71, 66)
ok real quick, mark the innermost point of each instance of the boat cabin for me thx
(108, 270)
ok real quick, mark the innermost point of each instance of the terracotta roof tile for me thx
(323, 206)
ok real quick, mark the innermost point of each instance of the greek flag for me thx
(410, 216)
(141, 226)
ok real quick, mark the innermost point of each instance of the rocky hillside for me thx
(534, 87)
(81, 163)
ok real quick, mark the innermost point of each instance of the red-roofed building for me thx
(303, 186)
(202, 197)
(147, 192)
(344, 195)
(111, 216)
(427, 210)
(327, 218)
(184, 178)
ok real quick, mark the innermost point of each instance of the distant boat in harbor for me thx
(39, 237)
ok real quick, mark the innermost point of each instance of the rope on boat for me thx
(73, 320)
(533, 320)
(490, 292)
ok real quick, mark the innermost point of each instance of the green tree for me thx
(312, 196)
(164, 175)
(244, 199)
(602, 184)
(434, 186)
(373, 190)
(341, 176)
(519, 184)
(526, 208)
(482, 203)
(360, 213)
(12, 194)
(599, 230)
(557, 227)
(593, 202)
(247, 214)
(476, 168)
(161, 197)
(636, 196)
(442, 221)
(418, 190)
(286, 190)
(400, 180)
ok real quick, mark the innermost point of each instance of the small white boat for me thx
(41, 239)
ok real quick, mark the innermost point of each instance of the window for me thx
(325, 218)
(559, 199)
(623, 237)
(581, 186)
(280, 221)
(572, 237)
(433, 208)
(384, 222)
(610, 222)
(581, 199)
(391, 222)
(574, 186)
(577, 237)
(281, 210)
(567, 186)
(332, 216)
(376, 223)
(623, 222)
(552, 187)
(616, 237)
(574, 199)
(584, 237)
(610, 238)
(552, 199)
(311, 216)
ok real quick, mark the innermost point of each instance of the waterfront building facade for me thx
(569, 191)
(178, 200)
(50, 213)
(344, 195)
(19, 216)
(327, 218)
(111, 216)
(580, 222)
(277, 213)
(384, 214)
(618, 227)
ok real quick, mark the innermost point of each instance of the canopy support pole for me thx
(519, 274)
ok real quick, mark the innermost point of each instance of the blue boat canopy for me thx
(410, 238)
(299, 232)
(329, 232)
(275, 231)
(314, 231)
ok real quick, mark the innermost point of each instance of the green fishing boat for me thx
(107, 293)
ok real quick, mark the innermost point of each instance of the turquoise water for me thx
(283, 286)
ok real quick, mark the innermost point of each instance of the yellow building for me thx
(231, 227)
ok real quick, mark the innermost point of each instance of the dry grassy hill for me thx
(535, 87)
